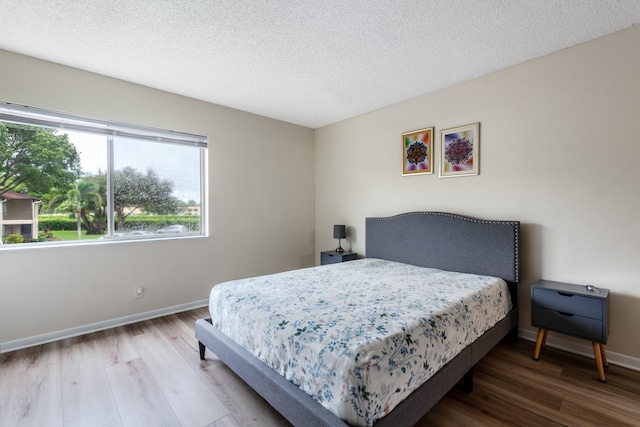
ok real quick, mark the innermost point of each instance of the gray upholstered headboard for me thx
(447, 242)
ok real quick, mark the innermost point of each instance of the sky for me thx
(179, 164)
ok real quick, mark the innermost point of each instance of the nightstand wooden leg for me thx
(604, 356)
(542, 337)
(597, 351)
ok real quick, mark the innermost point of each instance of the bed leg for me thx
(467, 382)
(513, 334)
(202, 349)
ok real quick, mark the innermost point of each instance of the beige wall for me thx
(261, 208)
(560, 151)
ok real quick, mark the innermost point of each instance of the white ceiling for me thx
(309, 62)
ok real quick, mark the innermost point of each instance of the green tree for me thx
(99, 223)
(86, 203)
(134, 191)
(36, 159)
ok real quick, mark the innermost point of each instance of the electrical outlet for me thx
(138, 292)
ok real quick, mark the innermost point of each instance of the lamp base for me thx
(339, 248)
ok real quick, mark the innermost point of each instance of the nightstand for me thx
(572, 310)
(333, 257)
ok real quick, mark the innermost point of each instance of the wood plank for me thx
(602, 411)
(115, 346)
(87, 397)
(455, 409)
(30, 387)
(182, 337)
(248, 408)
(190, 317)
(500, 411)
(518, 386)
(191, 398)
(139, 399)
(228, 421)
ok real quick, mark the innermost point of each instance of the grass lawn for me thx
(73, 235)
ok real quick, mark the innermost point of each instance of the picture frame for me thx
(460, 151)
(417, 152)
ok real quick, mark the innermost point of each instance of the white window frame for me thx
(44, 118)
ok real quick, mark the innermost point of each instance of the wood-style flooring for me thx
(150, 374)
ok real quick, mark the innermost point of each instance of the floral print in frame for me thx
(460, 150)
(417, 152)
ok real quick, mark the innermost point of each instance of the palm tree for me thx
(85, 202)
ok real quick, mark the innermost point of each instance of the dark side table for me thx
(575, 310)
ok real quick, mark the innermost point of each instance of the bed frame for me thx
(428, 239)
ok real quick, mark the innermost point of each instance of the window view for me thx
(66, 179)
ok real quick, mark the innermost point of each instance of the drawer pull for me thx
(565, 314)
(565, 294)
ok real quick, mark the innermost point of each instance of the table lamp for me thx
(339, 232)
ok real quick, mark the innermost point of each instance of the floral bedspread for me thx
(359, 336)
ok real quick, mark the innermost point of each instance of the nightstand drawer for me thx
(326, 258)
(333, 257)
(569, 303)
(578, 326)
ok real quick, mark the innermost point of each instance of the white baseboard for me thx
(556, 341)
(99, 326)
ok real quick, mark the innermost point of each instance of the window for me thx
(65, 178)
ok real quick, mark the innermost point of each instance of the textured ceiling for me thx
(303, 61)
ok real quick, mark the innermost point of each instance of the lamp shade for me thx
(339, 232)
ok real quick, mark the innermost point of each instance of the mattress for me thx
(362, 335)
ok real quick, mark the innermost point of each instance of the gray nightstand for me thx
(333, 257)
(572, 310)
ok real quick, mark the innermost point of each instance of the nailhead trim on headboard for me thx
(384, 245)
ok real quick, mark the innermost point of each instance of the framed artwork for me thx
(460, 151)
(417, 152)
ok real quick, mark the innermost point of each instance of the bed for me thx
(409, 244)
